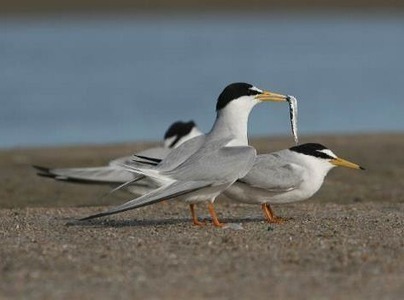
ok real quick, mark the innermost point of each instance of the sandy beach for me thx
(347, 242)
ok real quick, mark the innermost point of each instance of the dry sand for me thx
(345, 243)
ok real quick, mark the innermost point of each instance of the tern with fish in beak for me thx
(203, 167)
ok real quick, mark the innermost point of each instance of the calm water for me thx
(99, 81)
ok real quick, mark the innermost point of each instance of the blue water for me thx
(73, 81)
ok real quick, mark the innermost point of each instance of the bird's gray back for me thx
(216, 163)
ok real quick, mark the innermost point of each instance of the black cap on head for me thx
(312, 149)
(234, 91)
(178, 130)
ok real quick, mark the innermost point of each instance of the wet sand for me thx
(346, 242)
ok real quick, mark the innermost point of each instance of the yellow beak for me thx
(344, 163)
(269, 96)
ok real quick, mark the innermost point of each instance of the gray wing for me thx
(107, 174)
(180, 154)
(274, 173)
(223, 164)
(113, 173)
(156, 152)
(177, 156)
(163, 193)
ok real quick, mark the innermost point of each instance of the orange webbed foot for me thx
(270, 217)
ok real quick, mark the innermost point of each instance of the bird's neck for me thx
(232, 122)
(316, 168)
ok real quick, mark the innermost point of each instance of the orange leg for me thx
(194, 216)
(270, 216)
(212, 212)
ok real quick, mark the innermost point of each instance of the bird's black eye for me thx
(233, 92)
(321, 154)
(251, 92)
(312, 149)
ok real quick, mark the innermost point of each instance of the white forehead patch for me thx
(328, 152)
(253, 88)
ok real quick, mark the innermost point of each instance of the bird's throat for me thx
(232, 122)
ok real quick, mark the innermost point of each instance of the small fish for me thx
(293, 116)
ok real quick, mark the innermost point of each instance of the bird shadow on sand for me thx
(108, 223)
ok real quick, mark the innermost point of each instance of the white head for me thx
(179, 132)
(321, 158)
(233, 108)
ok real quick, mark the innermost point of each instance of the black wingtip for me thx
(103, 214)
(41, 169)
(362, 168)
(93, 217)
(44, 172)
(46, 175)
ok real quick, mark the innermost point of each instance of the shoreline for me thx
(44, 7)
(380, 154)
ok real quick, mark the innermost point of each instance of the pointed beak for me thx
(269, 96)
(344, 163)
